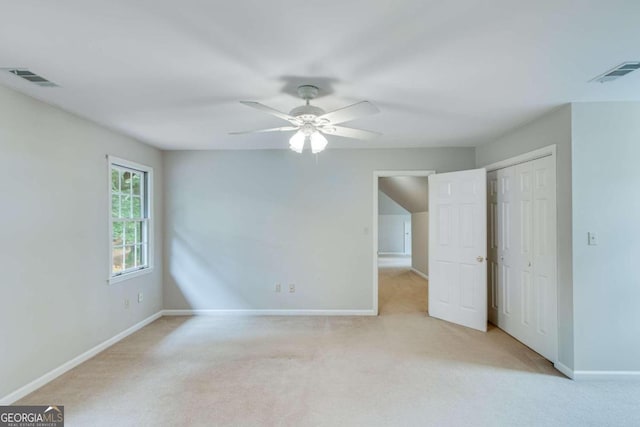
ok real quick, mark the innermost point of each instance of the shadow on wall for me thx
(202, 284)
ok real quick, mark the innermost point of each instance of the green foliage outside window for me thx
(128, 213)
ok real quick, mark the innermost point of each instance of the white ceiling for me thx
(454, 73)
(410, 192)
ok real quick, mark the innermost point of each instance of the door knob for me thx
(480, 259)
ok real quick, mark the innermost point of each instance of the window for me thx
(130, 206)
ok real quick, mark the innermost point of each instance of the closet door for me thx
(542, 335)
(507, 257)
(523, 263)
(492, 246)
(535, 261)
(526, 254)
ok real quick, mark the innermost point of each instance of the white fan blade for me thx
(282, 129)
(349, 132)
(351, 112)
(270, 110)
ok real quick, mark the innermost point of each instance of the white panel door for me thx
(522, 231)
(526, 253)
(458, 248)
(507, 297)
(492, 246)
(542, 330)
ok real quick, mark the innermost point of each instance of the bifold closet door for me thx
(506, 254)
(525, 256)
(492, 246)
(542, 310)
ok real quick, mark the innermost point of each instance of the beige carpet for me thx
(399, 369)
(400, 290)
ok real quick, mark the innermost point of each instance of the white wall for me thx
(606, 200)
(388, 206)
(237, 222)
(420, 242)
(553, 128)
(391, 220)
(55, 302)
(391, 233)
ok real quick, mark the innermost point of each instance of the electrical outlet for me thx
(292, 287)
(278, 287)
(140, 297)
(126, 303)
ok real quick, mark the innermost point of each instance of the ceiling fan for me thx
(312, 122)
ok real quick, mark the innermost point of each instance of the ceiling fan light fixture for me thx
(312, 122)
(318, 142)
(296, 142)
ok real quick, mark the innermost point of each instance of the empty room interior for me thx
(320, 214)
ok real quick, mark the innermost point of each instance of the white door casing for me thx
(375, 213)
(458, 248)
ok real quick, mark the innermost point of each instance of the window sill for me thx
(127, 276)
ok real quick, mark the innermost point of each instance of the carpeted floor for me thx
(401, 368)
(400, 290)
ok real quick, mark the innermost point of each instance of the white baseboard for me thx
(420, 273)
(222, 312)
(596, 375)
(395, 254)
(564, 369)
(53, 374)
(606, 375)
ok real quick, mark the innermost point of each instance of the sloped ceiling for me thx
(410, 192)
(443, 73)
(388, 206)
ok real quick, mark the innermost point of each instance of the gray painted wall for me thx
(391, 224)
(55, 302)
(553, 128)
(388, 206)
(391, 233)
(237, 222)
(606, 188)
(420, 242)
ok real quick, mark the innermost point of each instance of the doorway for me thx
(400, 241)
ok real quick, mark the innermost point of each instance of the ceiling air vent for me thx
(619, 71)
(32, 77)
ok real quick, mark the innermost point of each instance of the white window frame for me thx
(148, 170)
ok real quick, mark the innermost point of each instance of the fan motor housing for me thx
(307, 113)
